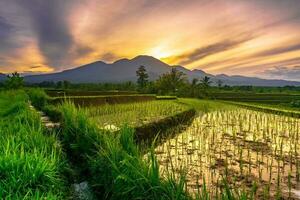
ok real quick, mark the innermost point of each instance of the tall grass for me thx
(31, 163)
(116, 166)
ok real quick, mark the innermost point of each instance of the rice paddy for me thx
(134, 114)
(250, 149)
(227, 152)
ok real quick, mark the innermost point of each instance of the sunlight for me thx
(160, 52)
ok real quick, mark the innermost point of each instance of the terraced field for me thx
(227, 152)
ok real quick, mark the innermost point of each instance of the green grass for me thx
(134, 114)
(112, 162)
(268, 98)
(206, 105)
(275, 109)
(117, 167)
(31, 163)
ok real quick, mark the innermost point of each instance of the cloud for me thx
(49, 23)
(7, 33)
(109, 57)
(209, 50)
(291, 73)
(278, 50)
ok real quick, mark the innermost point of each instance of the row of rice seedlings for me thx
(244, 146)
(134, 114)
(31, 163)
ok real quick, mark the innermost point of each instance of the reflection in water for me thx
(247, 148)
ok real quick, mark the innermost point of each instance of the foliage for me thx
(295, 103)
(31, 162)
(142, 75)
(205, 82)
(118, 167)
(38, 97)
(172, 82)
(15, 81)
(134, 114)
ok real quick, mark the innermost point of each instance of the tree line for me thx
(173, 82)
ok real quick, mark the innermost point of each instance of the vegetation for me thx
(134, 114)
(252, 150)
(118, 169)
(171, 82)
(14, 81)
(275, 109)
(226, 153)
(142, 80)
(31, 162)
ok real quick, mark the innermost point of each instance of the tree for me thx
(66, 84)
(205, 82)
(220, 83)
(142, 77)
(194, 87)
(15, 81)
(172, 81)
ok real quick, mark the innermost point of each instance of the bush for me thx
(38, 98)
(295, 104)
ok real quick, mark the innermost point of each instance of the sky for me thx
(235, 37)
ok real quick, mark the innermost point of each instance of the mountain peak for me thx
(121, 61)
(145, 58)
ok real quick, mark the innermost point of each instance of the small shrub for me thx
(38, 98)
(295, 104)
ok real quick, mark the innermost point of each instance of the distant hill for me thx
(2, 77)
(125, 70)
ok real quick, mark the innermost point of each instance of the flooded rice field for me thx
(252, 151)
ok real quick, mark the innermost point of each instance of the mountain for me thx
(2, 77)
(125, 70)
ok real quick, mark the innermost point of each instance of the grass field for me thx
(227, 152)
(31, 161)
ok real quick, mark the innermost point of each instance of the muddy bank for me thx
(148, 132)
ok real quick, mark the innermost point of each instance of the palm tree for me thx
(220, 83)
(194, 87)
(205, 82)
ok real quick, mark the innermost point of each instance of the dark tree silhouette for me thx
(142, 77)
(15, 81)
(205, 82)
(172, 81)
(220, 83)
(194, 87)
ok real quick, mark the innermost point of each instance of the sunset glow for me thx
(252, 38)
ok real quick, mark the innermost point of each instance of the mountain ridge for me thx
(125, 70)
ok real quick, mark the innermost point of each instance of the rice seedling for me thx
(134, 114)
(114, 161)
(246, 147)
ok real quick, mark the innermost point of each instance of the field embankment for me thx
(268, 109)
(267, 98)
